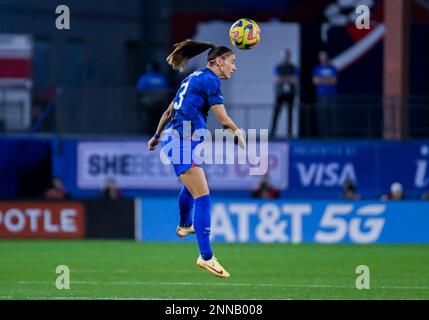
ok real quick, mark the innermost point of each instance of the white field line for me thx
(223, 284)
(97, 298)
(119, 271)
(97, 271)
(190, 272)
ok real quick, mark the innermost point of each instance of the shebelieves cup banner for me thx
(133, 166)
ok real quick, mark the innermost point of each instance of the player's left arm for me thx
(166, 116)
(334, 78)
(224, 119)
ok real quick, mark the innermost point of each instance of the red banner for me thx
(45, 220)
(15, 68)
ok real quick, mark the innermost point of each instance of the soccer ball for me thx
(245, 34)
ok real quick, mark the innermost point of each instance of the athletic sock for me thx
(202, 226)
(186, 204)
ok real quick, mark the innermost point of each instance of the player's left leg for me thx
(289, 100)
(277, 109)
(195, 181)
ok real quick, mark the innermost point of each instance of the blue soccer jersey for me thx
(197, 93)
(322, 71)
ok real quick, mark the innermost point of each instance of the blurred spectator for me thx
(396, 192)
(111, 190)
(350, 191)
(152, 79)
(265, 190)
(57, 191)
(425, 196)
(325, 80)
(285, 89)
(152, 88)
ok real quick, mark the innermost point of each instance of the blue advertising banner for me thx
(321, 168)
(406, 162)
(324, 167)
(299, 169)
(359, 222)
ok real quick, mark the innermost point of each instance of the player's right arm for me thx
(166, 116)
(317, 79)
(224, 119)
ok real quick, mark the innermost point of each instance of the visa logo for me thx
(325, 174)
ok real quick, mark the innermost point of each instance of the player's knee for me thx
(201, 193)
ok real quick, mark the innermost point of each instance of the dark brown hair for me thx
(186, 50)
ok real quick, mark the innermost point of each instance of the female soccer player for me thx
(198, 93)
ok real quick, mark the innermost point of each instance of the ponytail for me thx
(186, 50)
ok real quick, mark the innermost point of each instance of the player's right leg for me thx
(174, 149)
(195, 181)
(186, 206)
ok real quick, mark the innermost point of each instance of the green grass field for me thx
(132, 270)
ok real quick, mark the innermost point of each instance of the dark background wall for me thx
(25, 167)
(96, 49)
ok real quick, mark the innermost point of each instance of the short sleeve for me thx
(214, 95)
